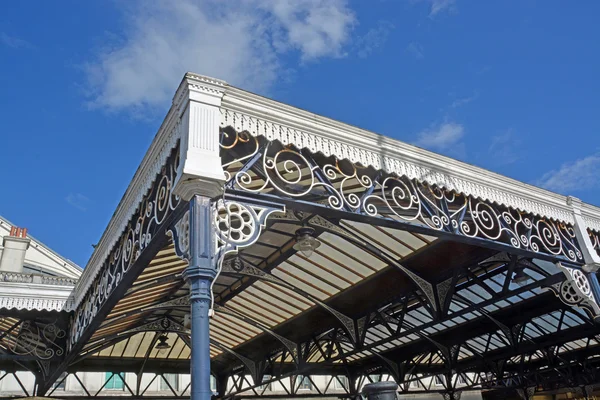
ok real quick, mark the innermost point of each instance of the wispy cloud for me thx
(374, 39)
(14, 42)
(416, 50)
(573, 176)
(241, 42)
(439, 6)
(505, 148)
(462, 101)
(78, 201)
(445, 138)
(484, 70)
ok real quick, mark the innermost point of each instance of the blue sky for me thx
(511, 86)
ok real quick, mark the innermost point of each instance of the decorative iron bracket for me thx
(576, 290)
(237, 223)
(161, 325)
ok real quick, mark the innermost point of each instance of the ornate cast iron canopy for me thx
(413, 280)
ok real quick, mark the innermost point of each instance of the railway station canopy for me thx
(329, 251)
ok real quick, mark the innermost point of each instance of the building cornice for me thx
(23, 294)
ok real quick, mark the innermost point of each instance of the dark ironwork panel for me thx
(254, 165)
(152, 212)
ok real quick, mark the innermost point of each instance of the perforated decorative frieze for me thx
(357, 153)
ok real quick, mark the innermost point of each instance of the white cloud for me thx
(78, 201)
(581, 174)
(241, 42)
(505, 148)
(446, 138)
(416, 50)
(462, 101)
(438, 6)
(14, 42)
(374, 39)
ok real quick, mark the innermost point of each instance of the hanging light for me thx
(521, 277)
(162, 343)
(305, 241)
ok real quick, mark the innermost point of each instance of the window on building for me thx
(115, 381)
(173, 380)
(265, 386)
(340, 383)
(461, 379)
(438, 380)
(61, 382)
(303, 383)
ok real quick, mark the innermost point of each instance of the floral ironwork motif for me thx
(154, 209)
(576, 290)
(239, 224)
(255, 165)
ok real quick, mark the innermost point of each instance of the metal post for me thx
(200, 273)
(380, 391)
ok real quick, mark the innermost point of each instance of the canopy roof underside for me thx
(374, 297)
(392, 317)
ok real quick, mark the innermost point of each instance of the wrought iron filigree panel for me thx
(152, 212)
(43, 341)
(255, 165)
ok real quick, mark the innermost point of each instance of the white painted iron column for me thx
(200, 179)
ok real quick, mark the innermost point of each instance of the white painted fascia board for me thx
(128, 205)
(35, 290)
(252, 105)
(35, 296)
(591, 216)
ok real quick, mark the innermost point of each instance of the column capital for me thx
(198, 101)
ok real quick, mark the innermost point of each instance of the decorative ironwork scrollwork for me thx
(160, 325)
(180, 233)
(254, 165)
(39, 340)
(152, 212)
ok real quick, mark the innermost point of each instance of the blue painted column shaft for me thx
(200, 273)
